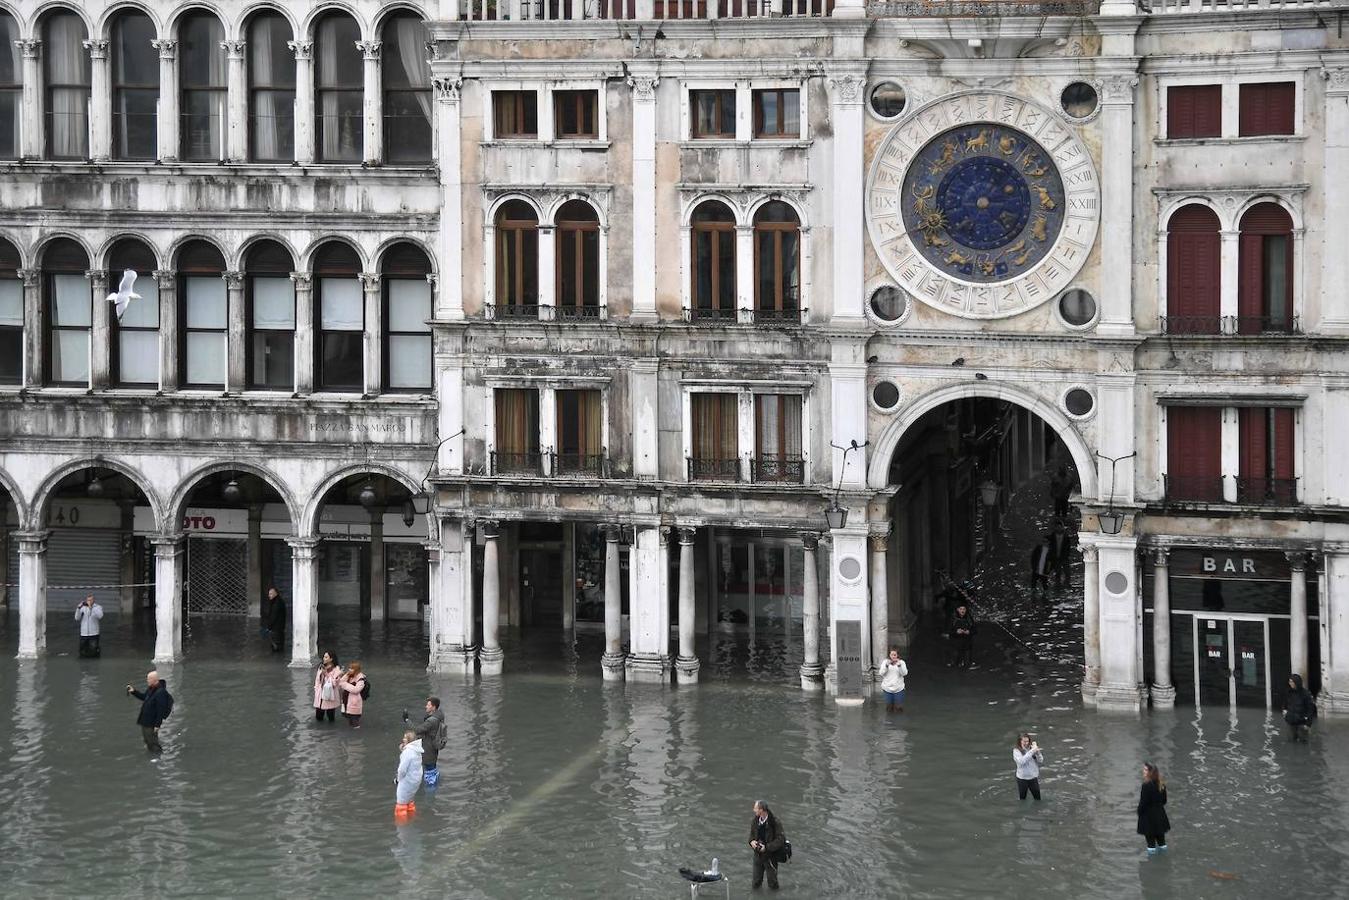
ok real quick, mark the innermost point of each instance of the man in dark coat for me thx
(1060, 489)
(429, 733)
(1040, 565)
(276, 619)
(1060, 553)
(156, 705)
(961, 630)
(768, 841)
(1299, 708)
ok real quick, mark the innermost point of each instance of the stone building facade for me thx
(608, 302)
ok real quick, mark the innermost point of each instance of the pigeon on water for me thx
(123, 296)
(712, 874)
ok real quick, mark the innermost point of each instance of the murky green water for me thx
(557, 785)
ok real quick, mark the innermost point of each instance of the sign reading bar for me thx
(1239, 565)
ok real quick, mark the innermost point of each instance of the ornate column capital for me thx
(432, 279)
(1088, 552)
(612, 533)
(847, 90)
(164, 277)
(369, 49)
(686, 534)
(301, 49)
(31, 277)
(31, 48)
(1160, 556)
(303, 549)
(447, 89)
(233, 279)
(98, 48)
(370, 281)
(879, 541)
(1337, 80)
(810, 540)
(301, 280)
(168, 49)
(643, 88)
(1118, 90)
(490, 528)
(234, 49)
(98, 278)
(1297, 559)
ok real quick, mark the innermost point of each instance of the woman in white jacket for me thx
(409, 776)
(1028, 760)
(892, 674)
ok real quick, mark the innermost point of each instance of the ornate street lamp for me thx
(367, 497)
(835, 516)
(409, 512)
(988, 492)
(95, 487)
(231, 492)
(1112, 520)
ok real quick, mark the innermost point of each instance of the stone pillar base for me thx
(812, 677)
(650, 668)
(1163, 696)
(29, 654)
(1329, 703)
(1118, 698)
(296, 662)
(612, 665)
(490, 661)
(1089, 689)
(453, 660)
(686, 669)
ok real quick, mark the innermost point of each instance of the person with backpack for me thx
(1299, 708)
(156, 706)
(434, 735)
(355, 688)
(769, 843)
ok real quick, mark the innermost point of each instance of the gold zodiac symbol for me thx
(1037, 229)
(948, 153)
(956, 258)
(977, 143)
(1021, 260)
(1046, 201)
(1007, 145)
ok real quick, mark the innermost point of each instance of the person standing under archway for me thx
(276, 619)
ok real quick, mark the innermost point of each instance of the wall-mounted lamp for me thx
(1112, 520)
(835, 516)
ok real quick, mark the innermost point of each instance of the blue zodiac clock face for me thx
(982, 204)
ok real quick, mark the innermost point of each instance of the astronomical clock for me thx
(982, 204)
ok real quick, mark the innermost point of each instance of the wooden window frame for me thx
(713, 230)
(1179, 129)
(722, 97)
(779, 132)
(584, 100)
(517, 129)
(574, 231)
(778, 230)
(1256, 118)
(386, 339)
(514, 231)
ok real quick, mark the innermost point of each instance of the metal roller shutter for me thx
(81, 561)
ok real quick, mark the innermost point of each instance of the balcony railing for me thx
(701, 469)
(713, 316)
(1267, 491)
(530, 462)
(593, 465)
(1231, 325)
(1249, 491)
(1163, 7)
(780, 469)
(777, 316)
(576, 313)
(511, 311)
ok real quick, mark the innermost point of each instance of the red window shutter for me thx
(1251, 281)
(1194, 439)
(1254, 450)
(1194, 111)
(1267, 109)
(1283, 443)
(1261, 220)
(1194, 264)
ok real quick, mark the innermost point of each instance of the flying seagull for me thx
(123, 296)
(712, 874)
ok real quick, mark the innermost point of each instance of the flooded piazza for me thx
(555, 784)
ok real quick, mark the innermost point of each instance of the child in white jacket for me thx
(409, 774)
(892, 674)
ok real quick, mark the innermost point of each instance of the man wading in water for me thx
(767, 841)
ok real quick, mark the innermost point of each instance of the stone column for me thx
(374, 102)
(100, 101)
(812, 673)
(1121, 684)
(880, 597)
(34, 319)
(644, 399)
(744, 274)
(547, 272)
(304, 100)
(100, 335)
(643, 84)
(1297, 631)
(1163, 692)
(612, 662)
(254, 582)
(378, 608)
(304, 332)
(649, 607)
(1117, 197)
(167, 119)
(452, 647)
(126, 600)
(170, 556)
(236, 102)
(449, 299)
(490, 657)
(168, 329)
(236, 358)
(1334, 315)
(304, 601)
(32, 593)
(847, 81)
(1091, 623)
(374, 334)
(850, 9)
(31, 124)
(686, 665)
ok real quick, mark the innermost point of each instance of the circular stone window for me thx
(889, 304)
(1079, 402)
(849, 568)
(888, 99)
(1117, 583)
(1079, 100)
(885, 395)
(1077, 307)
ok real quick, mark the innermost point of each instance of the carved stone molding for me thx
(301, 280)
(1118, 89)
(847, 90)
(301, 49)
(1088, 552)
(1160, 555)
(549, 198)
(31, 277)
(168, 49)
(447, 89)
(98, 49)
(1337, 80)
(643, 88)
(370, 49)
(234, 49)
(233, 280)
(370, 281)
(810, 540)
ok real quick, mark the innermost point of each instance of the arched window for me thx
(66, 298)
(66, 77)
(407, 89)
(517, 261)
(11, 87)
(339, 84)
(713, 262)
(202, 80)
(777, 263)
(135, 87)
(407, 311)
(1193, 271)
(1265, 275)
(11, 315)
(339, 308)
(271, 89)
(135, 349)
(578, 261)
(203, 316)
(270, 303)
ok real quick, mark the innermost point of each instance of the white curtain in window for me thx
(412, 40)
(206, 301)
(343, 305)
(266, 33)
(142, 313)
(68, 64)
(70, 355)
(72, 308)
(11, 302)
(409, 305)
(410, 361)
(273, 303)
(138, 362)
(331, 108)
(206, 358)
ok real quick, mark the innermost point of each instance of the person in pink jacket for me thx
(351, 684)
(327, 697)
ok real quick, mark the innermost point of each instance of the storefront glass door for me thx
(1231, 661)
